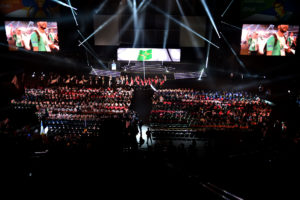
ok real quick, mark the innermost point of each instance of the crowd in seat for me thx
(188, 108)
(68, 104)
(94, 120)
(157, 81)
(41, 80)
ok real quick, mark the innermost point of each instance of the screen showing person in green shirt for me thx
(33, 36)
(253, 43)
(18, 38)
(291, 40)
(276, 44)
(269, 39)
(39, 38)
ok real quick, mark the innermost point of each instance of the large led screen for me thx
(281, 11)
(269, 39)
(34, 36)
(149, 54)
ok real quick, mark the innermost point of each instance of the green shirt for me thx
(36, 42)
(252, 44)
(290, 41)
(18, 40)
(51, 37)
(272, 47)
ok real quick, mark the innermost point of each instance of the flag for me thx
(145, 55)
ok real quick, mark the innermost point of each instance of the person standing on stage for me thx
(149, 136)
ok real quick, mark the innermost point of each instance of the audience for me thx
(74, 107)
(208, 109)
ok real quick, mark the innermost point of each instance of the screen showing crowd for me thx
(34, 36)
(269, 39)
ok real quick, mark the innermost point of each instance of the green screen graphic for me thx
(145, 55)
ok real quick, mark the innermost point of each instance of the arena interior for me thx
(198, 98)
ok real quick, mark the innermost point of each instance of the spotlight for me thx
(201, 74)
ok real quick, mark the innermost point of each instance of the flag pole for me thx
(144, 69)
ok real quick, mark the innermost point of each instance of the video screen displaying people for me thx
(39, 36)
(269, 39)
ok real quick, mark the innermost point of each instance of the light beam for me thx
(227, 8)
(69, 2)
(101, 6)
(140, 8)
(208, 46)
(201, 74)
(231, 25)
(135, 23)
(98, 60)
(91, 51)
(166, 32)
(102, 26)
(234, 53)
(64, 4)
(188, 24)
(183, 25)
(210, 17)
